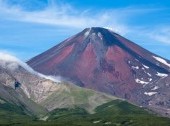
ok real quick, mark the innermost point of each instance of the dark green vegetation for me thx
(115, 113)
(11, 114)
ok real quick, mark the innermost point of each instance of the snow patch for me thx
(140, 81)
(145, 66)
(161, 60)
(155, 88)
(150, 79)
(100, 35)
(161, 74)
(87, 33)
(109, 28)
(150, 93)
(149, 74)
(118, 30)
(135, 67)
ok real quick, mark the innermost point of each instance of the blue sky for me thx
(29, 27)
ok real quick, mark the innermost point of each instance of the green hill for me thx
(12, 115)
(114, 113)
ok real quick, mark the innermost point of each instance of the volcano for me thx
(102, 60)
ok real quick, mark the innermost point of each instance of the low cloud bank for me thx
(10, 62)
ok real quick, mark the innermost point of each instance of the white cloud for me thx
(156, 34)
(66, 15)
(69, 17)
(10, 62)
(160, 34)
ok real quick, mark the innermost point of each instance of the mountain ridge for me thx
(30, 98)
(102, 60)
(39, 94)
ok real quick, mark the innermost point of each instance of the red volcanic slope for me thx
(102, 60)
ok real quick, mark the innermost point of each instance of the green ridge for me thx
(114, 113)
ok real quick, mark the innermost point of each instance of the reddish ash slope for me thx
(102, 60)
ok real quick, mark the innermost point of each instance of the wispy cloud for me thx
(133, 22)
(66, 15)
(10, 62)
(160, 34)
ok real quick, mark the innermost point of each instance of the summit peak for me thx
(99, 29)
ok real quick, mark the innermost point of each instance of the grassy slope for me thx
(115, 113)
(18, 98)
(69, 96)
(11, 114)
